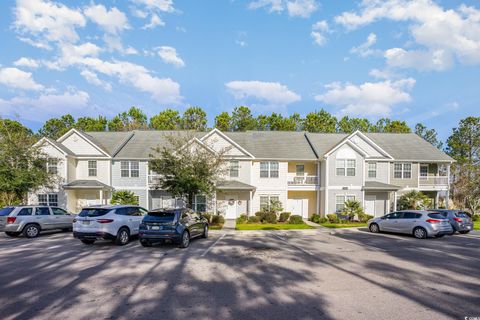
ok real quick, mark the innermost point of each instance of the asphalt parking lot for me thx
(270, 275)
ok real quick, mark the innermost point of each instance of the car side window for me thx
(121, 211)
(59, 212)
(25, 212)
(418, 215)
(136, 211)
(42, 211)
(394, 215)
(143, 212)
(409, 215)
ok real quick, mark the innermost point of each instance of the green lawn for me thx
(215, 226)
(271, 226)
(343, 225)
(476, 225)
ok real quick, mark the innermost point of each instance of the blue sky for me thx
(416, 61)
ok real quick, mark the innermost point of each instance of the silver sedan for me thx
(421, 224)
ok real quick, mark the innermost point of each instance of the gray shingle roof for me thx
(408, 146)
(375, 185)
(108, 141)
(323, 142)
(60, 146)
(234, 185)
(86, 184)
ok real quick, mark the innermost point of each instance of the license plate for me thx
(156, 228)
(86, 222)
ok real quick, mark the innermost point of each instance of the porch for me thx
(84, 193)
(234, 198)
(380, 198)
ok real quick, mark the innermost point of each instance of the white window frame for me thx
(52, 166)
(297, 173)
(48, 199)
(345, 198)
(92, 168)
(404, 173)
(129, 169)
(347, 165)
(196, 203)
(269, 171)
(234, 169)
(269, 197)
(372, 173)
(420, 175)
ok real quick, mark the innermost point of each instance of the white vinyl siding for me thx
(345, 167)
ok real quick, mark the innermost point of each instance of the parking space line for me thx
(213, 245)
(293, 245)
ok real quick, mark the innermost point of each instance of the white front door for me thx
(231, 212)
(370, 205)
(296, 207)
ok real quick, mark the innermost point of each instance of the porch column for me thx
(447, 197)
(394, 200)
(436, 200)
(101, 196)
(249, 206)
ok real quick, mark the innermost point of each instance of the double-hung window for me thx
(52, 166)
(129, 169)
(340, 201)
(402, 171)
(200, 203)
(50, 199)
(300, 170)
(266, 200)
(234, 169)
(345, 167)
(372, 169)
(269, 169)
(424, 171)
(92, 168)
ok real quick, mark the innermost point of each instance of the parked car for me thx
(459, 220)
(112, 222)
(31, 220)
(421, 224)
(175, 225)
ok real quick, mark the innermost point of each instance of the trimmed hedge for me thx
(295, 219)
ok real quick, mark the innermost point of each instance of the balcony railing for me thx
(294, 180)
(153, 179)
(433, 181)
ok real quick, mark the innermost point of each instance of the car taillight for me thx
(457, 219)
(11, 220)
(104, 220)
(433, 221)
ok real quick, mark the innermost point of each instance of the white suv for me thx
(116, 222)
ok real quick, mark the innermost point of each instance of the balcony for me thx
(305, 180)
(153, 180)
(433, 181)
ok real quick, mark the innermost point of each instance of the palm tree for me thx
(124, 197)
(413, 200)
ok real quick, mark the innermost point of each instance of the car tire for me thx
(123, 237)
(31, 231)
(205, 232)
(12, 234)
(374, 228)
(145, 243)
(464, 232)
(419, 233)
(87, 241)
(67, 229)
(185, 240)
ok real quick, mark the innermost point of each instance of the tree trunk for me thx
(190, 201)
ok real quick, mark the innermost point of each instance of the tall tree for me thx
(223, 121)
(194, 118)
(320, 121)
(167, 119)
(92, 124)
(132, 119)
(262, 122)
(391, 126)
(429, 135)
(275, 122)
(350, 125)
(54, 128)
(22, 166)
(242, 119)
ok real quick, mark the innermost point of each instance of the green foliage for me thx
(274, 207)
(223, 122)
(56, 127)
(391, 126)
(284, 216)
(413, 200)
(266, 216)
(124, 197)
(194, 118)
(207, 216)
(22, 165)
(242, 219)
(295, 219)
(332, 218)
(320, 121)
(475, 217)
(352, 209)
(253, 219)
(315, 218)
(350, 125)
(92, 124)
(429, 135)
(218, 219)
(167, 119)
(133, 119)
(242, 119)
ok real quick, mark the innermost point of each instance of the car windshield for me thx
(462, 215)
(94, 212)
(436, 216)
(6, 211)
(163, 215)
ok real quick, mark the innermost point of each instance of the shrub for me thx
(315, 218)
(269, 217)
(413, 200)
(295, 220)
(207, 216)
(218, 219)
(367, 217)
(284, 216)
(323, 220)
(253, 219)
(353, 209)
(332, 217)
(476, 217)
(242, 219)
(258, 213)
(124, 197)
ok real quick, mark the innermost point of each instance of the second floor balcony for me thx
(433, 180)
(302, 180)
(153, 180)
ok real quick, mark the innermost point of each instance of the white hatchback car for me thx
(114, 222)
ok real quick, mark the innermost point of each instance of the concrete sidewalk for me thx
(229, 225)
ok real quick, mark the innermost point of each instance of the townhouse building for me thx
(307, 172)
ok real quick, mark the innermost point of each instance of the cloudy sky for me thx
(413, 60)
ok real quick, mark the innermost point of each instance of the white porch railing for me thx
(295, 180)
(433, 181)
(153, 179)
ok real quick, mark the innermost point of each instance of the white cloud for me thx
(270, 92)
(154, 22)
(112, 21)
(382, 74)
(114, 43)
(365, 49)
(92, 78)
(46, 105)
(17, 79)
(47, 21)
(295, 8)
(27, 62)
(445, 35)
(169, 55)
(369, 98)
(160, 5)
(319, 29)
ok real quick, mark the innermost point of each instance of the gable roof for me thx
(86, 137)
(60, 147)
(110, 142)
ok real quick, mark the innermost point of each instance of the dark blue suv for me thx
(175, 225)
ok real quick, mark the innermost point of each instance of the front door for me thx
(296, 207)
(370, 205)
(231, 212)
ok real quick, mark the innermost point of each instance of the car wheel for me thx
(205, 232)
(464, 232)
(123, 236)
(419, 233)
(87, 241)
(31, 231)
(374, 228)
(12, 234)
(67, 229)
(145, 243)
(185, 242)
